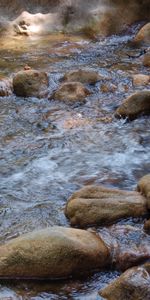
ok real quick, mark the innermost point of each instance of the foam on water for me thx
(49, 149)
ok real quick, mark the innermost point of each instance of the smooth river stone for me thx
(71, 92)
(134, 284)
(83, 75)
(53, 253)
(100, 205)
(30, 83)
(134, 106)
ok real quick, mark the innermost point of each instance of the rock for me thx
(100, 205)
(5, 87)
(144, 187)
(92, 17)
(108, 88)
(52, 253)
(134, 106)
(144, 34)
(147, 226)
(71, 92)
(30, 83)
(128, 245)
(83, 76)
(146, 60)
(134, 284)
(36, 23)
(141, 79)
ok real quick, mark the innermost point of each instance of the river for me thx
(50, 149)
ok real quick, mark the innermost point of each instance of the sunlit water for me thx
(49, 149)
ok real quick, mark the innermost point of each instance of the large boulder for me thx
(134, 284)
(134, 106)
(84, 76)
(100, 205)
(144, 187)
(71, 92)
(129, 245)
(52, 253)
(144, 34)
(30, 83)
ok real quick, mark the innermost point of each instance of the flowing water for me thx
(50, 149)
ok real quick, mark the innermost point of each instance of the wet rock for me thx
(146, 60)
(30, 83)
(83, 76)
(5, 87)
(54, 252)
(147, 226)
(108, 88)
(134, 106)
(134, 284)
(144, 188)
(71, 92)
(144, 34)
(141, 79)
(128, 245)
(100, 205)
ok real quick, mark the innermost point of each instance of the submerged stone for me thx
(101, 205)
(30, 83)
(134, 106)
(129, 245)
(71, 92)
(52, 253)
(83, 76)
(134, 284)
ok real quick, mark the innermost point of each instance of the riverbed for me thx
(50, 149)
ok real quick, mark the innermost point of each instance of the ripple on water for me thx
(49, 150)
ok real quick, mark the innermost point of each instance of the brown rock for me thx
(100, 205)
(55, 252)
(83, 76)
(147, 226)
(71, 92)
(141, 79)
(135, 105)
(144, 187)
(134, 284)
(144, 34)
(30, 83)
(108, 88)
(146, 60)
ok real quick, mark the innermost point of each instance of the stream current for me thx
(50, 149)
